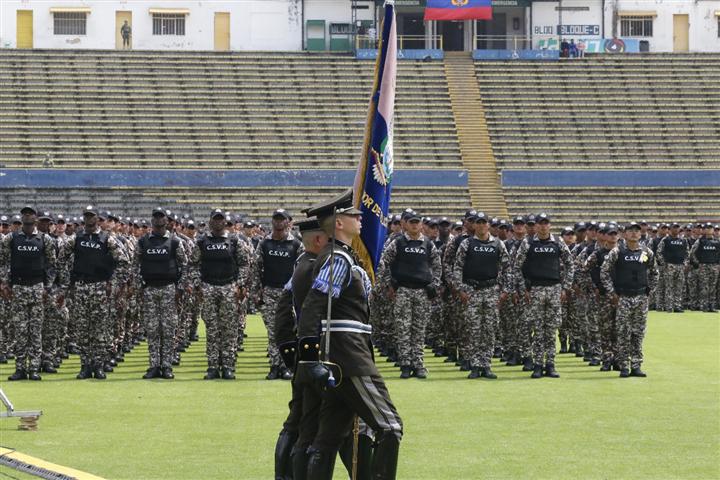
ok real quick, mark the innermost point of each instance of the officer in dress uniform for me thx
(160, 262)
(275, 256)
(359, 389)
(27, 275)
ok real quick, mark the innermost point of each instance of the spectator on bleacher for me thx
(581, 49)
(564, 49)
(572, 49)
(126, 31)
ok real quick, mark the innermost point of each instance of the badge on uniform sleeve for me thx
(643, 257)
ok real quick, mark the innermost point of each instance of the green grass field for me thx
(587, 424)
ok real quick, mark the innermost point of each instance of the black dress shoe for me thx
(167, 373)
(636, 372)
(99, 374)
(18, 375)
(34, 375)
(286, 374)
(228, 374)
(212, 374)
(152, 372)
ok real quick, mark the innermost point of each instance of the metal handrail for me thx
(518, 42)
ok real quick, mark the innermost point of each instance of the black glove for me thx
(431, 292)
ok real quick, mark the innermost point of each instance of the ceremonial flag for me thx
(458, 10)
(373, 180)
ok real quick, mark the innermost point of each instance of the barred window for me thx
(636, 27)
(69, 23)
(168, 24)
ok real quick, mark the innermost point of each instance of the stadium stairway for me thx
(473, 136)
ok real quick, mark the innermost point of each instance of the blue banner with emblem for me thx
(373, 180)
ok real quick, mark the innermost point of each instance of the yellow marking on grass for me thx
(36, 462)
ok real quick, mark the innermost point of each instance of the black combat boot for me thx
(528, 365)
(487, 373)
(34, 375)
(283, 461)
(167, 373)
(465, 366)
(274, 373)
(405, 372)
(285, 373)
(99, 373)
(563, 346)
(636, 372)
(579, 349)
(513, 359)
(212, 374)
(228, 374)
(384, 462)
(474, 372)
(550, 371)
(18, 375)
(320, 464)
(606, 367)
(152, 372)
(594, 362)
(85, 372)
(48, 367)
(571, 345)
(537, 371)
(107, 367)
(420, 373)
(3, 358)
(624, 373)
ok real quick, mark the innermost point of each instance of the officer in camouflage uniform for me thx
(672, 255)
(511, 312)
(564, 332)
(160, 265)
(481, 271)
(629, 276)
(410, 266)
(547, 265)
(604, 308)
(274, 259)
(705, 254)
(5, 312)
(577, 300)
(692, 276)
(220, 264)
(660, 291)
(27, 276)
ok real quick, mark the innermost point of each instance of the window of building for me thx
(69, 23)
(636, 27)
(718, 18)
(168, 24)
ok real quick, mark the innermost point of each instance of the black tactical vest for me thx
(93, 261)
(158, 263)
(217, 259)
(278, 261)
(631, 272)
(708, 251)
(675, 250)
(600, 255)
(411, 268)
(481, 260)
(542, 264)
(27, 259)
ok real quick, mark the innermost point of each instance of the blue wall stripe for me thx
(611, 178)
(68, 178)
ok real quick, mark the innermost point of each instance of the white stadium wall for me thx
(254, 24)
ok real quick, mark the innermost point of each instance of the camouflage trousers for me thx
(593, 343)
(578, 306)
(28, 315)
(482, 321)
(54, 329)
(630, 324)
(91, 318)
(6, 327)
(412, 313)
(220, 314)
(674, 286)
(451, 332)
(119, 310)
(525, 328)
(660, 290)
(462, 337)
(691, 299)
(708, 278)
(565, 332)
(434, 330)
(510, 318)
(160, 317)
(545, 312)
(381, 318)
(608, 330)
(268, 308)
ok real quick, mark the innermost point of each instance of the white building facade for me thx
(295, 25)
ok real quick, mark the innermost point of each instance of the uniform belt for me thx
(219, 283)
(26, 282)
(480, 284)
(352, 326)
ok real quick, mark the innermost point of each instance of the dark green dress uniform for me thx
(361, 390)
